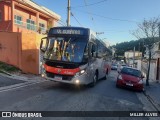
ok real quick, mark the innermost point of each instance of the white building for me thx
(130, 54)
(155, 51)
(133, 58)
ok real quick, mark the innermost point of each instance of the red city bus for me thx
(74, 55)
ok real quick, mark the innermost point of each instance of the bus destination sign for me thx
(59, 31)
(68, 31)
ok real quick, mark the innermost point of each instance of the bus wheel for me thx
(94, 80)
(106, 75)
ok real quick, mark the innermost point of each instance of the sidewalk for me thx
(7, 79)
(153, 93)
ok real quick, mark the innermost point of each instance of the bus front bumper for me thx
(76, 80)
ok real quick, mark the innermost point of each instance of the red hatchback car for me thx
(130, 78)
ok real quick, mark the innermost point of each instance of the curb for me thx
(153, 102)
(27, 81)
(12, 76)
(4, 72)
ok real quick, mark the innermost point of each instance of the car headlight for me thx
(140, 82)
(119, 77)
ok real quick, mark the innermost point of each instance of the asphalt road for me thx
(7, 81)
(51, 96)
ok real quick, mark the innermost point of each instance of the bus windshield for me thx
(69, 49)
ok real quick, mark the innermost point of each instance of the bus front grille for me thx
(64, 77)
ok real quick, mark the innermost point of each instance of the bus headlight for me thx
(77, 81)
(43, 75)
(80, 73)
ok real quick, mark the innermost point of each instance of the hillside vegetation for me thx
(138, 44)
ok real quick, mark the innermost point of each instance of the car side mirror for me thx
(93, 49)
(142, 76)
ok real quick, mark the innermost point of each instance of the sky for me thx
(115, 18)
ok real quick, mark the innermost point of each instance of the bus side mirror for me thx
(93, 49)
(85, 57)
(43, 44)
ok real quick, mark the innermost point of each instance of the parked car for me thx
(123, 65)
(114, 67)
(130, 78)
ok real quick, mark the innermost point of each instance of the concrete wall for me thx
(152, 73)
(10, 50)
(138, 64)
(30, 52)
(21, 50)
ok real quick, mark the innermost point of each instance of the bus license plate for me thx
(128, 84)
(57, 77)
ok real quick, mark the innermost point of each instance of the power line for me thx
(89, 14)
(64, 24)
(61, 23)
(123, 20)
(76, 19)
(43, 2)
(90, 4)
(115, 31)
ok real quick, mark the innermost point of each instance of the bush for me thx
(8, 68)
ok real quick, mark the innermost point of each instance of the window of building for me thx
(42, 26)
(31, 24)
(17, 19)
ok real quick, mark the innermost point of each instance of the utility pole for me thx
(159, 30)
(134, 57)
(149, 62)
(158, 69)
(68, 13)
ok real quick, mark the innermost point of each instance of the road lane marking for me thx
(17, 86)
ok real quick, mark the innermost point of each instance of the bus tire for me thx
(95, 78)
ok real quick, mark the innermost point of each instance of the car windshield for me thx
(130, 71)
(69, 49)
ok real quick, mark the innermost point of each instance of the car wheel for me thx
(117, 86)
